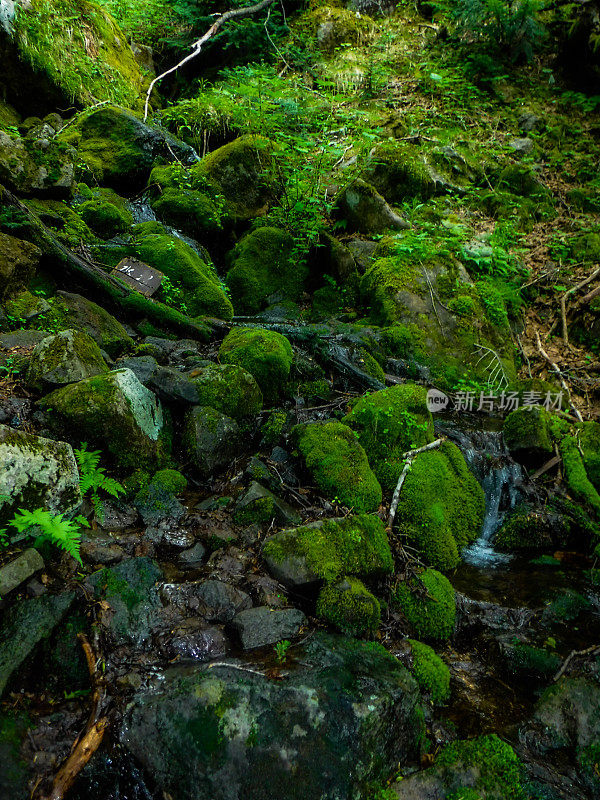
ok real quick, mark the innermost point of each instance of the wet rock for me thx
(114, 411)
(261, 506)
(169, 534)
(215, 533)
(158, 506)
(347, 714)
(366, 210)
(229, 564)
(13, 410)
(212, 439)
(193, 557)
(193, 639)
(24, 626)
(131, 593)
(67, 357)
(258, 627)
(99, 549)
(19, 570)
(223, 601)
(267, 592)
(117, 516)
(18, 263)
(36, 473)
(527, 435)
(479, 613)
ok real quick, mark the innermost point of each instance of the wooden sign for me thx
(145, 279)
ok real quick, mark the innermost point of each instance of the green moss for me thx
(202, 289)
(356, 545)
(441, 506)
(261, 269)
(81, 49)
(190, 211)
(589, 439)
(104, 212)
(527, 433)
(524, 531)
(229, 389)
(171, 480)
(398, 172)
(432, 675)
(66, 224)
(350, 606)
(463, 305)
(577, 480)
(567, 606)
(589, 761)
(338, 464)
(493, 303)
(272, 430)
(264, 354)
(465, 793)
(533, 661)
(521, 180)
(429, 604)
(492, 760)
(389, 423)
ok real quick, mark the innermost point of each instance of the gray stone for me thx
(267, 591)
(193, 557)
(528, 122)
(223, 601)
(522, 147)
(98, 549)
(158, 506)
(36, 473)
(347, 714)
(24, 626)
(366, 210)
(143, 367)
(19, 569)
(212, 440)
(258, 627)
(260, 505)
(66, 357)
(193, 639)
(172, 386)
(24, 168)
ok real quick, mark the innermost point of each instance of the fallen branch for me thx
(548, 465)
(568, 293)
(90, 739)
(233, 13)
(573, 654)
(408, 457)
(559, 375)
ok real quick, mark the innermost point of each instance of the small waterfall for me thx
(500, 478)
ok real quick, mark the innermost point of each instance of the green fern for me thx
(54, 528)
(93, 478)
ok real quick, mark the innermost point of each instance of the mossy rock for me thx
(29, 170)
(113, 411)
(105, 213)
(338, 464)
(350, 607)
(229, 389)
(171, 480)
(441, 506)
(241, 172)
(589, 438)
(67, 225)
(119, 149)
(266, 355)
(527, 435)
(399, 172)
(580, 486)
(521, 180)
(195, 213)
(524, 530)
(73, 311)
(429, 604)
(365, 210)
(333, 27)
(203, 293)
(211, 440)
(66, 357)
(430, 672)
(15, 774)
(262, 270)
(19, 261)
(389, 423)
(328, 550)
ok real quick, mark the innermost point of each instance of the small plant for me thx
(93, 478)
(47, 527)
(281, 649)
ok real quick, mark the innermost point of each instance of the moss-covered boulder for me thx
(241, 172)
(350, 607)
(525, 530)
(446, 319)
(338, 464)
(104, 212)
(211, 440)
(191, 206)
(428, 602)
(589, 438)
(389, 423)
(441, 506)
(430, 672)
(119, 150)
(260, 506)
(527, 435)
(321, 723)
(262, 271)
(399, 172)
(328, 550)
(115, 412)
(66, 357)
(199, 282)
(484, 767)
(366, 211)
(229, 389)
(73, 311)
(18, 263)
(266, 355)
(28, 169)
(36, 473)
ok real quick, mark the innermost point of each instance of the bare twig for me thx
(559, 375)
(573, 654)
(408, 457)
(568, 293)
(233, 13)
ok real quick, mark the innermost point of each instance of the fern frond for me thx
(63, 533)
(112, 487)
